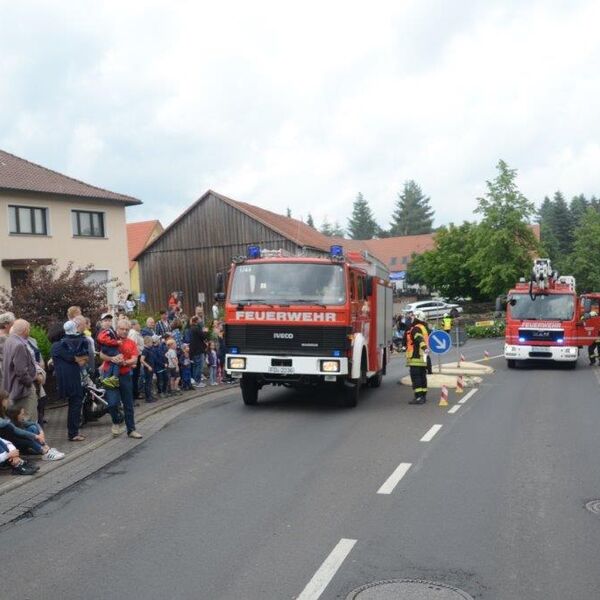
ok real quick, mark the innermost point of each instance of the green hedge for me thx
(496, 330)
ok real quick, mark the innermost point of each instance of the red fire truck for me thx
(300, 321)
(546, 320)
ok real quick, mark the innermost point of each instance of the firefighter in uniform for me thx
(594, 347)
(417, 343)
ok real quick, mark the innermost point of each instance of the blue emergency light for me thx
(234, 350)
(336, 250)
(253, 252)
(337, 353)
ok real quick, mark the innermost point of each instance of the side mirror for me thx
(219, 283)
(219, 296)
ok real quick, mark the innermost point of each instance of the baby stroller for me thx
(94, 404)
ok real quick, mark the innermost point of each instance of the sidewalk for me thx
(96, 433)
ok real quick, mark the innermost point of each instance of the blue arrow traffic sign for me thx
(439, 342)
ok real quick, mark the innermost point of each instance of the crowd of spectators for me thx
(129, 360)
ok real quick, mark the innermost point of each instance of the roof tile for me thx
(138, 235)
(20, 174)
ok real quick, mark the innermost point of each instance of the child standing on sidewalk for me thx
(212, 362)
(185, 368)
(159, 364)
(173, 366)
(147, 361)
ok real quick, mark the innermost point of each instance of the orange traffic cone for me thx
(460, 384)
(461, 359)
(444, 397)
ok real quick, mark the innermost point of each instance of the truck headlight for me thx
(330, 366)
(236, 362)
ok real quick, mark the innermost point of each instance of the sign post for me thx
(439, 343)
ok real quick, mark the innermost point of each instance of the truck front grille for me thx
(287, 339)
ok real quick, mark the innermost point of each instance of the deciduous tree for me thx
(504, 244)
(445, 269)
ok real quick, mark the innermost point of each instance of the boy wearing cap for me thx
(110, 345)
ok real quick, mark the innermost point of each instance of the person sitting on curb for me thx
(26, 435)
(9, 457)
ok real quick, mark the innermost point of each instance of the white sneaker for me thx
(193, 381)
(53, 454)
(215, 383)
(116, 430)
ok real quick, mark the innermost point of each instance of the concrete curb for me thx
(17, 482)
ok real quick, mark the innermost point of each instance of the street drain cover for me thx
(594, 506)
(407, 589)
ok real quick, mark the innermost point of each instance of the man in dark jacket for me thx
(198, 344)
(69, 355)
(18, 369)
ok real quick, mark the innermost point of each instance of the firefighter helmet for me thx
(420, 316)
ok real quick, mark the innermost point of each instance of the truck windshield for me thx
(288, 283)
(555, 307)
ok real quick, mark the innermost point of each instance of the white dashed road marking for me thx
(316, 586)
(454, 409)
(393, 480)
(429, 435)
(467, 396)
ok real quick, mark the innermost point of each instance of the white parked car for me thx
(433, 308)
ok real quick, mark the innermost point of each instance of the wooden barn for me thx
(201, 242)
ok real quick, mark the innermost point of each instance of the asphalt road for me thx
(281, 501)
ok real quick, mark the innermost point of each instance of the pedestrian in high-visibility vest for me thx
(447, 323)
(417, 344)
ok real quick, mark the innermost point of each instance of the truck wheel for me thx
(376, 380)
(511, 363)
(249, 389)
(351, 392)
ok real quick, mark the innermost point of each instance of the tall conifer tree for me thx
(413, 214)
(362, 225)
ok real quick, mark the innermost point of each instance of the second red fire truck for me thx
(302, 321)
(547, 320)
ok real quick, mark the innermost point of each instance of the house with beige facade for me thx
(46, 216)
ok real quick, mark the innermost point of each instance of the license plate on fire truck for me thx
(282, 370)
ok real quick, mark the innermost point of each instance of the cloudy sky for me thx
(304, 104)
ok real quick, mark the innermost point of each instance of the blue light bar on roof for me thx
(253, 252)
(336, 250)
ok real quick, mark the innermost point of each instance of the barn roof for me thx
(292, 229)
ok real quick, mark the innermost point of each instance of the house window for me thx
(29, 220)
(87, 223)
(96, 276)
(393, 260)
(405, 260)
